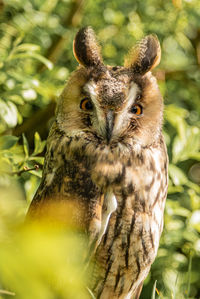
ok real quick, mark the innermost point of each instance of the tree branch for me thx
(73, 19)
(40, 118)
(5, 292)
(25, 169)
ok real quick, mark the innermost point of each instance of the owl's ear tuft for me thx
(144, 56)
(86, 48)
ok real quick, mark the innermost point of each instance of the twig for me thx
(5, 292)
(38, 122)
(91, 294)
(189, 275)
(41, 117)
(73, 19)
(25, 169)
(174, 295)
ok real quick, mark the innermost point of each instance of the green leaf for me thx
(39, 145)
(153, 295)
(39, 160)
(193, 186)
(189, 276)
(37, 173)
(29, 94)
(91, 294)
(16, 99)
(195, 220)
(180, 211)
(177, 175)
(15, 153)
(175, 116)
(27, 47)
(7, 141)
(25, 146)
(175, 189)
(195, 156)
(5, 165)
(39, 57)
(8, 112)
(187, 147)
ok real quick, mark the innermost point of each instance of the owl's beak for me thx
(109, 124)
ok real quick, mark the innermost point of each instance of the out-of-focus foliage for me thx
(35, 60)
(40, 260)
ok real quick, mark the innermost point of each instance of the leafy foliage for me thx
(35, 60)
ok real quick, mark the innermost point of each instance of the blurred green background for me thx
(35, 61)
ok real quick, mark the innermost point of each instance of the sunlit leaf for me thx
(26, 146)
(175, 115)
(39, 160)
(195, 220)
(39, 144)
(7, 141)
(185, 148)
(37, 56)
(27, 47)
(153, 295)
(47, 258)
(8, 112)
(177, 175)
(29, 94)
(37, 173)
(16, 99)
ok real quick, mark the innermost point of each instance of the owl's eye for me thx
(137, 109)
(86, 104)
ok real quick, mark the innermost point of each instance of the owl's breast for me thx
(131, 239)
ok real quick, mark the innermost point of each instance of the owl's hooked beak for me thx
(109, 124)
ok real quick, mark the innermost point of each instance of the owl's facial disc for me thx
(113, 108)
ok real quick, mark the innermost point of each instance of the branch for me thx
(4, 292)
(73, 19)
(25, 169)
(40, 118)
(38, 122)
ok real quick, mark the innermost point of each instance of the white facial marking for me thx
(90, 87)
(122, 116)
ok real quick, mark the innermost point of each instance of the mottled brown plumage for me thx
(106, 164)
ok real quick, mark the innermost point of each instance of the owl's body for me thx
(106, 159)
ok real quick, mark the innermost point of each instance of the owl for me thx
(106, 164)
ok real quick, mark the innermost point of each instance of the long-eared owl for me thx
(106, 160)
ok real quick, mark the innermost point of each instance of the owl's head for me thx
(114, 104)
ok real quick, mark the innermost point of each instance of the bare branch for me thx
(5, 292)
(73, 19)
(25, 169)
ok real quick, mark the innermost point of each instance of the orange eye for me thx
(86, 104)
(137, 109)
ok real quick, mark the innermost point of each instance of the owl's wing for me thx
(59, 194)
(67, 193)
(47, 186)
